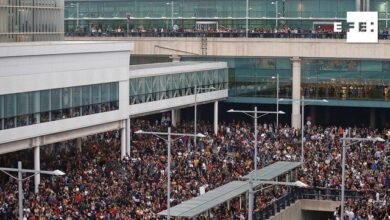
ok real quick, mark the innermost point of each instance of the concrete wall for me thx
(312, 48)
(293, 212)
(319, 205)
(307, 209)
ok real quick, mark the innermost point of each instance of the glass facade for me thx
(155, 88)
(31, 20)
(346, 79)
(326, 78)
(111, 15)
(22, 109)
(252, 77)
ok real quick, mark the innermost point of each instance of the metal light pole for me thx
(255, 117)
(303, 101)
(277, 99)
(386, 11)
(196, 90)
(355, 141)
(276, 13)
(171, 3)
(20, 179)
(168, 141)
(247, 19)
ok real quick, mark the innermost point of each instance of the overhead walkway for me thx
(201, 204)
(273, 171)
(162, 86)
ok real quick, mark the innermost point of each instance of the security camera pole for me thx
(20, 179)
(254, 115)
(168, 141)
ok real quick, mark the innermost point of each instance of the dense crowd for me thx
(98, 185)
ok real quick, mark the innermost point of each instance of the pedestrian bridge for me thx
(91, 89)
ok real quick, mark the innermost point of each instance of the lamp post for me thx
(387, 14)
(171, 4)
(276, 13)
(196, 91)
(303, 101)
(20, 179)
(168, 141)
(247, 19)
(254, 115)
(77, 12)
(277, 99)
(354, 141)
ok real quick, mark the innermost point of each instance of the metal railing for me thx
(318, 193)
(235, 34)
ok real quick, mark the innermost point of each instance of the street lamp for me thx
(303, 101)
(168, 141)
(277, 99)
(247, 19)
(197, 90)
(171, 4)
(386, 11)
(19, 170)
(255, 117)
(354, 141)
(276, 13)
(77, 12)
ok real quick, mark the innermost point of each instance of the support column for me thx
(372, 118)
(128, 133)
(296, 92)
(358, 5)
(79, 145)
(216, 117)
(37, 166)
(173, 117)
(123, 139)
(368, 5)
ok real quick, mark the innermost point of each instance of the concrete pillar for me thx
(358, 5)
(128, 133)
(372, 118)
(313, 115)
(37, 166)
(79, 145)
(216, 117)
(296, 92)
(123, 139)
(368, 5)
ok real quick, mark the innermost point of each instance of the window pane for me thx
(76, 96)
(44, 102)
(1, 106)
(65, 98)
(55, 99)
(96, 98)
(105, 92)
(86, 95)
(22, 103)
(114, 91)
(9, 105)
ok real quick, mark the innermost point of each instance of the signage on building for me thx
(362, 27)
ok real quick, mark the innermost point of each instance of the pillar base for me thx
(296, 121)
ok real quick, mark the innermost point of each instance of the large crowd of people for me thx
(99, 185)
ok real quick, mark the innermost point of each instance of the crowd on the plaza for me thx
(99, 185)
